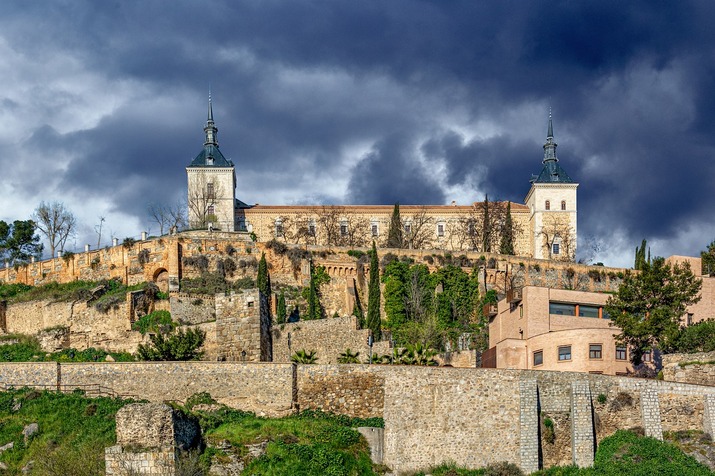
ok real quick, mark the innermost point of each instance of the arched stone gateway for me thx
(161, 278)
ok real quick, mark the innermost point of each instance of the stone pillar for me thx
(86, 248)
(148, 435)
(709, 414)
(528, 425)
(143, 235)
(115, 241)
(582, 435)
(376, 441)
(174, 267)
(650, 412)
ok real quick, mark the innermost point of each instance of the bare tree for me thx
(329, 223)
(557, 230)
(56, 222)
(167, 216)
(419, 229)
(201, 199)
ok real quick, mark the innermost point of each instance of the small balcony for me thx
(490, 310)
(514, 295)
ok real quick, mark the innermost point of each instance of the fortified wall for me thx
(432, 415)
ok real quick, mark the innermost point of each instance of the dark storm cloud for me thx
(391, 173)
(381, 91)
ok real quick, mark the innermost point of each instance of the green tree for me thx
(281, 311)
(373, 304)
(18, 241)
(708, 260)
(263, 280)
(648, 305)
(507, 237)
(318, 277)
(394, 237)
(698, 337)
(179, 345)
(641, 258)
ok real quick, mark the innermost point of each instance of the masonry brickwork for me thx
(696, 368)
(470, 416)
(327, 337)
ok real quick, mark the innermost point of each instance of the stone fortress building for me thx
(544, 227)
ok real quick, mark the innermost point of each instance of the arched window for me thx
(563, 204)
(547, 205)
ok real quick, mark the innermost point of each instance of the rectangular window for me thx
(648, 357)
(689, 319)
(538, 357)
(210, 191)
(343, 228)
(408, 228)
(565, 352)
(621, 353)
(311, 228)
(440, 229)
(588, 311)
(373, 229)
(595, 351)
(556, 249)
(210, 210)
(562, 309)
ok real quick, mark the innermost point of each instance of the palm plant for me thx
(349, 357)
(304, 357)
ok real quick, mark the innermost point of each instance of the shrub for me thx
(278, 247)
(601, 398)
(357, 254)
(157, 321)
(67, 256)
(128, 243)
(595, 275)
(201, 398)
(230, 250)
(180, 345)
(199, 262)
(143, 257)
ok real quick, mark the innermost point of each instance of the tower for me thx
(553, 208)
(211, 184)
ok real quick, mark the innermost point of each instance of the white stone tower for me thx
(211, 184)
(552, 204)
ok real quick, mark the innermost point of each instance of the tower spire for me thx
(550, 145)
(210, 129)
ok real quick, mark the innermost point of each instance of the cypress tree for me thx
(507, 236)
(281, 312)
(373, 305)
(641, 260)
(313, 303)
(263, 280)
(394, 236)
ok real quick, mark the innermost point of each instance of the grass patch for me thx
(25, 348)
(73, 431)
(624, 452)
(308, 443)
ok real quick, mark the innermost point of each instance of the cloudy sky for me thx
(102, 105)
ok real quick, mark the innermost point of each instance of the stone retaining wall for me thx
(699, 368)
(432, 414)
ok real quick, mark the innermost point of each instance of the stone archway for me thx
(161, 278)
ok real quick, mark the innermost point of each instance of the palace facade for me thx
(543, 227)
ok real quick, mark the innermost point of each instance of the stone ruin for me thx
(149, 439)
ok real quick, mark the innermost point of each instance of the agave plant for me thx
(349, 357)
(304, 357)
